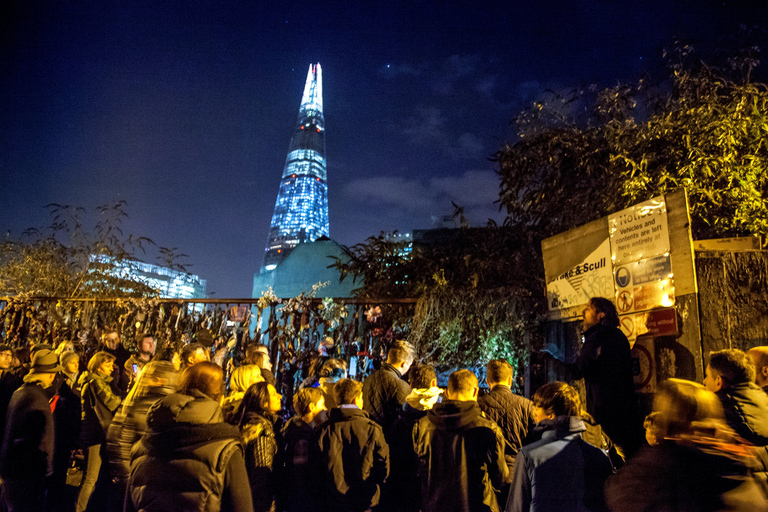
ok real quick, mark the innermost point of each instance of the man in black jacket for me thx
(9, 383)
(384, 391)
(606, 365)
(512, 413)
(461, 453)
(351, 455)
(26, 457)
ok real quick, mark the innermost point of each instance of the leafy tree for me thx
(583, 155)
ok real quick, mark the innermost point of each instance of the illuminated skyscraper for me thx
(301, 209)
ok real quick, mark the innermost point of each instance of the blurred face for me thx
(540, 414)
(317, 406)
(712, 381)
(111, 340)
(148, 345)
(106, 367)
(590, 316)
(275, 399)
(264, 351)
(198, 356)
(6, 357)
(73, 365)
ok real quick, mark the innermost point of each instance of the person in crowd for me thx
(384, 391)
(112, 344)
(401, 493)
(9, 382)
(314, 363)
(156, 380)
(64, 346)
(189, 459)
(27, 453)
(258, 354)
(66, 409)
(170, 354)
(511, 412)
(730, 374)
(653, 434)
(605, 362)
(759, 356)
(350, 454)
(257, 421)
(332, 371)
(70, 361)
(243, 377)
(99, 403)
(20, 362)
(295, 493)
(699, 464)
(192, 354)
(461, 453)
(145, 351)
(561, 471)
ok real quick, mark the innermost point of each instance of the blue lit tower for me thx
(301, 209)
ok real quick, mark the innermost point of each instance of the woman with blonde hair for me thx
(242, 378)
(698, 465)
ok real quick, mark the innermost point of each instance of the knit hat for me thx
(45, 361)
(66, 357)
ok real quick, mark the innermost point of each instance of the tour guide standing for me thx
(26, 457)
(606, 365)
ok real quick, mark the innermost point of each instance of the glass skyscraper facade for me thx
(301, 209)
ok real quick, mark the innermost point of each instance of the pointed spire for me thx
(313, 89)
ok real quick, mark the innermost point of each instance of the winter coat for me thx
(606, 365)
(189, 460)
(98, 404)
(461, 458)
(746, 412)
(560, 472)
(295, 493)
(351, 458)
(402, 491)
(260, 455)
(9, 383)
(694, 475)
(512, 413)
(28, 445)
(127, 427)
(384, 392)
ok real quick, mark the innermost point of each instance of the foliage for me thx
(585, 154)
(66, 260)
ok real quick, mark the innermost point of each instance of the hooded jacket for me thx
(461, 458)
(189, 460)
(560, 472)
(260, 455)
(352, 461)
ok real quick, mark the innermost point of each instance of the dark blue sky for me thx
(185, 109)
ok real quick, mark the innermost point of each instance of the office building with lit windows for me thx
(301, 209)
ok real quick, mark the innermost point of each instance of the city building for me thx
(170, 284)
(301, 209)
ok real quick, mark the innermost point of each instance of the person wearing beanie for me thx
(26, 456)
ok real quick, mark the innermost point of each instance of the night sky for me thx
(185, 109)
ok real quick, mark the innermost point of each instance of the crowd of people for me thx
(172, 430)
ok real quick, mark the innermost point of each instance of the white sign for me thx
(593, 277)
(639, 232)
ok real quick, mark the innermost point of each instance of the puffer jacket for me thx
(260, 455)
(351, 458)
(746, 412)
(189, 460)
(512, 413)
(559, 473)
(127, 427)
(384, 392)
(461, 458)
(98, 406)
(700, 473)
